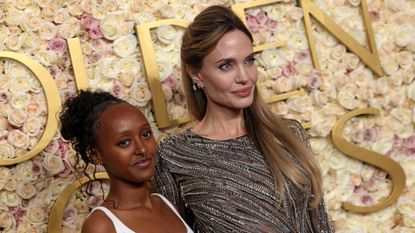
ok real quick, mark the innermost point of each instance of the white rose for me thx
(276, 12)
(47, 57)
(352, 61)
(303, 68)
(299, 104)
(109, 67)
(145, 17)
(167, 11)
(167, 34)
(404, 58)
(403, 115)
(322, 128)
(47, 31)
(404, 34)
(29, 41)
(17, 138)
(168, 93)
(13, 17)
(396, 5)
(318, 97)
(10, 199)
(6, 150)
(25, 189)
(24, 171)
(338, 52)
(109, 27)
(126, 79)
(177, 111)
(382, 146)
(17, 117)
(4, 83)
(362, 77)
(381, 85)
(61, 16)
(20, 100)
(295, 13)
(140, 94)
(7, 221)
(32, 126)
(183, 12)
(280, 107)
(346, 99)
(283, 84)
(125, 46)
(297, 41)
(35, 214)
(30, 22)
(53, 164)
(130, 65)
(16, 70)
(13, 42)
(271, 58)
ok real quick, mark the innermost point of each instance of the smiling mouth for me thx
(143, 163)
(244, 92)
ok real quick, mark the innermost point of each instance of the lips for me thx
(142, 163)
(244, 92)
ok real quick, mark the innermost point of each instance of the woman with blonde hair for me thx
(240, 168)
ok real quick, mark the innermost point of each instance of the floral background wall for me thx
(39, 29)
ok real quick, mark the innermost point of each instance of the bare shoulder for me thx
(97, 222)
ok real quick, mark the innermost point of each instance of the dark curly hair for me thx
(79, 114)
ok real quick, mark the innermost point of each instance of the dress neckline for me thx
(191, 133)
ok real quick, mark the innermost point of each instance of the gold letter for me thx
(53, 100)
(56, 214)
(371, 59)
(151, 68)
(394, 170)
(78, 65)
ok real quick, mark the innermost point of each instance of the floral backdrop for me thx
(39, 29)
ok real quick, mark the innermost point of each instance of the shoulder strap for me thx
(120, 227)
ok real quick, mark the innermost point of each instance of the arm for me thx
(165, 183)
(319, 217)
(97, 222)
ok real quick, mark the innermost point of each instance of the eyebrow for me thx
(146, 125)
(233, 59)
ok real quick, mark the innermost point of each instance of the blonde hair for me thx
(199, 40)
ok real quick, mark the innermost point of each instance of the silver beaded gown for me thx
(226, 186)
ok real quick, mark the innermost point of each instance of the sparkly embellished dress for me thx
(226, 186)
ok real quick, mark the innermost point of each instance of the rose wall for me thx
(39, 29)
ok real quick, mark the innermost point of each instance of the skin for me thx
(127, 150)
(229, 76)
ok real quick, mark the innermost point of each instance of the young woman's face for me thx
(229, 73)
(125, 144)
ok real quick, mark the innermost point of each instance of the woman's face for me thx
(125, 144)
(229, 73)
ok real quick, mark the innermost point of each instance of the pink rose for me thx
(252, 23)
(288, 70)
(89, 22)
(94, 57)
(116, 90)
(95, 33)
(3, 97)
(313, 82)
(171, 82)
(37, 168)
(358, 137)
(70, 215)
(261, 18)
(57, 45)
(367, 200)
(409, 142)
(371, 134)
(303, 55)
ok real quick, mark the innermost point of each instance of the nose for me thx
(140, 147)
(242, 75)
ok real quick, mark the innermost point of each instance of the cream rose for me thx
(13, 17)
(9, 199)
(145, 17)
(403, 115)
(276, 12)
(140, 94)
(18, 139)
(404, 58)
(404, 34)
(46, 57)
(346, 99)
(382, 146)
(297, 41)
(109, 67)
(61, 16)
(338, 52)
(24, 171)
(25, 189)
(319, 98)
(32, 126)
(47, 31)
(125, 46)
(13, 42)
(381, 86)
(20, 100)
(337, 160)
(6, 150)
(35, 214)
(283, 84)
(17, 116)
(7, 221)
(165, 70)
(183, 12)
(271, 58)
(320, 127)
(177, 111)
(130, 65)
(352, 61)
(167, 33)
(53, 164)
(168, 94)
(167, 11)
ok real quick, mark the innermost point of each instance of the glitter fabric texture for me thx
(226, 186)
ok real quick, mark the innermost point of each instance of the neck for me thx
(221, 123)
(127, 196)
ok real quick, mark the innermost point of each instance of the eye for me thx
(124, 143)
(225, 66)
(147, 134)
(250, 60)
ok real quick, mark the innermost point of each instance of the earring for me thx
(200, 85)
(194, 84)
